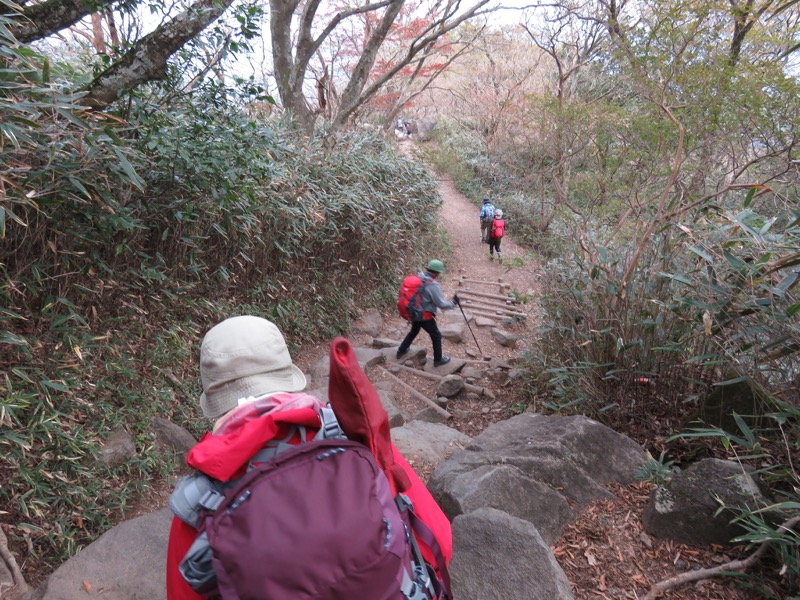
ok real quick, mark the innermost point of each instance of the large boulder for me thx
(536, 467)
(127, 562)
(684, 509)
(499, 557)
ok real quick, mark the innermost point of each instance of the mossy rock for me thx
(744, 398)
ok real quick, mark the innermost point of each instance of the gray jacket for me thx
(432, 297)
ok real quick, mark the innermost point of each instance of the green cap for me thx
(436, 266)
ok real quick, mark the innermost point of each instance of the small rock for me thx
(384, 343)
(504, 338)
(450, 386)
(429, 415)
(370, 323)
(118, 448)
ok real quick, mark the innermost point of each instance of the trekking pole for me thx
(470, 328)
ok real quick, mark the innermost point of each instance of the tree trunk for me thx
(40, 20)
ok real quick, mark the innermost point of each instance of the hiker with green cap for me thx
(431, 298)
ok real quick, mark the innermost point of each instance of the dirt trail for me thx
(468, 259)
(471, 258)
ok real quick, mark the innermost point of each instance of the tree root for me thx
(678, 580)
(11, 563)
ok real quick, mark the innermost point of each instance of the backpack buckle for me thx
(211, 500)
(329, 425)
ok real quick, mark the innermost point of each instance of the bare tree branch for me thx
(733, 565)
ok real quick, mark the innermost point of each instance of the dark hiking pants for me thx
(429, 325)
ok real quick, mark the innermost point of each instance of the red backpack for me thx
(409, 300)
(498, 228)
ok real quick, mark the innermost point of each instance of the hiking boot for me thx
(443, 361)
(400, 353)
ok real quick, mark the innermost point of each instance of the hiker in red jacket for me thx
(253, 390)
(496, 234)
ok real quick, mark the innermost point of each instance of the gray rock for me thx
(385, 343)
(504, 338)
(450, 386)
(454, 366)
(496, 363)
(369, 357)
(428, 442)
(499, 376)
(575, 455)
(473, 372)
(505, 488)
(127, 562)
(683, 509)
(485, 322)
(430, 415)
(369, 323)
(117, 449)
(498, 557)
(396, 416)
(453, 332)
(416, 355)
(172, 436)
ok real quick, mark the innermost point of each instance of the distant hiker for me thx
(404, 127)
(273, 455)
(486, 217)
(430, 298)
(496, 234)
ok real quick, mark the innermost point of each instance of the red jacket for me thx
(226, 456)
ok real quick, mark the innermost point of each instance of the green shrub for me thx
(108, 290)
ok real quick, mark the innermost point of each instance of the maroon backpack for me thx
(319, 520)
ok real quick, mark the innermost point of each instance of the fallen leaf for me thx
(87, 586)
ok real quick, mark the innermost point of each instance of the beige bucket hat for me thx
(241, 357)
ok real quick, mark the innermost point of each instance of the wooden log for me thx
(485, 295)
(488, 306)
(481, 391)
(493, 315)
(498, 282)
(418, 395)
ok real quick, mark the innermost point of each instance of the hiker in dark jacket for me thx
(432, 298)
(486, 217)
